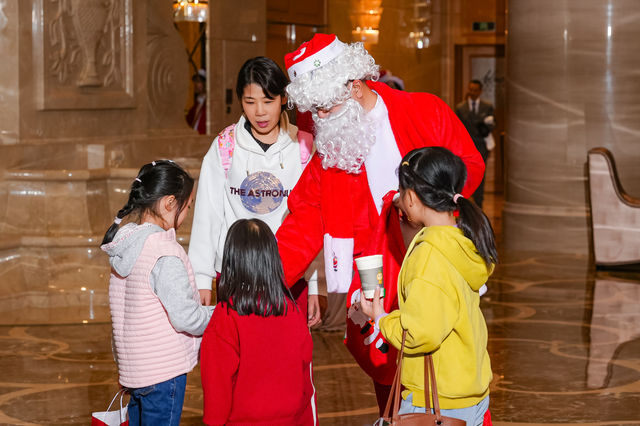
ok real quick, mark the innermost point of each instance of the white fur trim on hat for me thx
(318, 59)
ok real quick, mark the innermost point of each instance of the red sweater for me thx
(256, 370)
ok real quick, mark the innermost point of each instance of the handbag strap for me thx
(427, 402)
(396, 386)
(429, 384)
(387, 409)
(428, 360)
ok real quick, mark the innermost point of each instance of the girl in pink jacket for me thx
(155, 307)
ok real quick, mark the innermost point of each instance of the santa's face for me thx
(344, 135)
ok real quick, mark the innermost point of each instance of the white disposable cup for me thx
(370, 270)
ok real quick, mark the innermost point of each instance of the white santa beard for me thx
(345, 137)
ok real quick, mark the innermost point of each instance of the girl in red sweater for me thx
(256, 350)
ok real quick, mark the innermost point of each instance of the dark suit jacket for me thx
(474, 122)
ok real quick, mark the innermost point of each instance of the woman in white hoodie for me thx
(249, 171)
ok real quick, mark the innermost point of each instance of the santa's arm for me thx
(455, 137)
(300, 236)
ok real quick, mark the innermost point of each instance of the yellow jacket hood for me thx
(459, 250)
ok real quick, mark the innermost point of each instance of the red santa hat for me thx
(312, 54)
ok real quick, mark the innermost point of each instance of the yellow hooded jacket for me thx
(439, 306)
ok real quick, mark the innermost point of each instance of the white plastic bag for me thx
(112, 418)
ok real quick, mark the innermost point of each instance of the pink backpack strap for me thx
(226, 143)
(305, 139)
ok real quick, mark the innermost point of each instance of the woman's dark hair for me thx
(252, 280)
(154, 181)
(435, 174)
(266, 74)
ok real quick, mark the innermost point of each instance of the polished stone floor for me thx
(564, 341)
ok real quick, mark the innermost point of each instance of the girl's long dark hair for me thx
(265, 73)
(252, 280)
(435, 174)
(154, 181)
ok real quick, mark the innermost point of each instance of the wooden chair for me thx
(615, 215)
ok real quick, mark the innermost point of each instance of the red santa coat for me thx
(335, 203)
(340, 204)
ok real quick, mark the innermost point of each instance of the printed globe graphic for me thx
(263, 192)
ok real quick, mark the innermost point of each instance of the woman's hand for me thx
(205, 297)
(313, 310)
(372, 308)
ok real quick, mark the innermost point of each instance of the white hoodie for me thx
(257, 185)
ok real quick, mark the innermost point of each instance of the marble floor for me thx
(564, 341)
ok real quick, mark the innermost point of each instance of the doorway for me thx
(485, 63)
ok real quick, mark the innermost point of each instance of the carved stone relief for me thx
(83, 54)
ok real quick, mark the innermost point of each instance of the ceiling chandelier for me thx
(191, 11)
(365, 20)
(418, 21)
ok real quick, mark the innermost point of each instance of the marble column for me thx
(572, 84)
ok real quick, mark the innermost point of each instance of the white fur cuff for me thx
(338, 263)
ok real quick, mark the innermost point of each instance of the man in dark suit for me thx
(477, 117)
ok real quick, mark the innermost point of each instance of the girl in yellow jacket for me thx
(439, 305)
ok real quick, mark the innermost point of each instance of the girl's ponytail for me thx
(476, 226)
(437, 176)
(155, 180)
(113, 229)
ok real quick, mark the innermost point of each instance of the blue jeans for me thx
(474, 415)
(159, 404)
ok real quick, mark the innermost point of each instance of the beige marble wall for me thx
(431, 69)
(90, 91)
(572, 84)
(421, 69)
(9, 70)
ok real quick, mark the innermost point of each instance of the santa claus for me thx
(363, 129)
